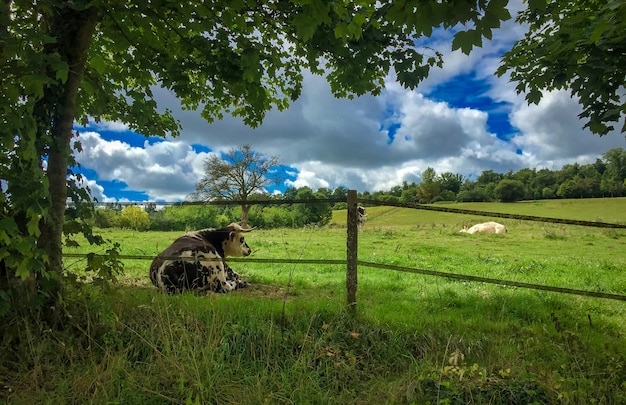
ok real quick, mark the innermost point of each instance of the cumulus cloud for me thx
(165, 170)
(551, 133)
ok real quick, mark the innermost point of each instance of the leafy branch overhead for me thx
(580, 46)
(245, 58)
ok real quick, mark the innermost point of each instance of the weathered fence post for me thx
(352, 250)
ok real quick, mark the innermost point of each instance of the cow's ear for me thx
(232, 235)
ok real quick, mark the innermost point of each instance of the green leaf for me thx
(396, 12)
(22, 272)
(8, 228)
(98, 64)
(598, 30)
(537, 5)
(498, 8)
(250, 62)
(305, 26)
(61, 74)
(11, 92)
(34, 86)
(466, 40)
(534, 96)
(598, 127)
(342, 31)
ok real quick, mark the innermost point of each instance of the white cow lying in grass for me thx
(486, 227)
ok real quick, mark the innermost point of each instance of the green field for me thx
(414, 339)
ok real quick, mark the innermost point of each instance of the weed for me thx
(554, 233)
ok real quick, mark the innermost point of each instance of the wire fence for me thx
(351, 261)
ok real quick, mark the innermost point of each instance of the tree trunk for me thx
(244, 215)
(73, 30)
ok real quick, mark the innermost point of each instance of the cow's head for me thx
(235, 245)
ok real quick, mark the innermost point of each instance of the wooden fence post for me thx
(352, 250)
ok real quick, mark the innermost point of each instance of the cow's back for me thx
(487, 227)
(186, 264)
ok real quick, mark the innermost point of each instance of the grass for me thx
(415, 339)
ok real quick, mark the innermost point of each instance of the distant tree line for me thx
(605, 177)
(192, 217)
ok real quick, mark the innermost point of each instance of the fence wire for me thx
(464, 277)
(454, 276)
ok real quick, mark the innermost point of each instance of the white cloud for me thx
(111, 126)
(552, 135)
(165, 170)
(307, 178)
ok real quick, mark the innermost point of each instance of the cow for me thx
(486, 227)
(195, 261)
(362, 216)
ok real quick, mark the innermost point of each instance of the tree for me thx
(548, 193)
(489, 176)
(526, 177)
(616, 163)
(580, 45)
(315, 213)
(591, 180)
(451, 182)
(567, 172)
(236, 176)
(568, 189)
(133, 217)
(544, 184)
(396, 191)
(63, 61)
(610, 186)
(509, 190)
(106, 217)
(428, 188)
(341, 194)
(409, 194)
(477, 194)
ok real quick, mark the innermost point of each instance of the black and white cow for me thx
(362, 216)
(195, 261)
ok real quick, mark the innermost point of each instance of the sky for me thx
(461, 119)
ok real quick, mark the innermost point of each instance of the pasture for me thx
(415, 339)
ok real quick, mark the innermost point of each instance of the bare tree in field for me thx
(236, 176)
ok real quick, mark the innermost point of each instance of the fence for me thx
(352, 263)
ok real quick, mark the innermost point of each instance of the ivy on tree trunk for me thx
(73, 30)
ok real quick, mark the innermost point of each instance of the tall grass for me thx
(287, 338)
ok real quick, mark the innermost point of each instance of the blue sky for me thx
(467, 91)
(461, 119)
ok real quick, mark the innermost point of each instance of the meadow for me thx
(414, 339)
